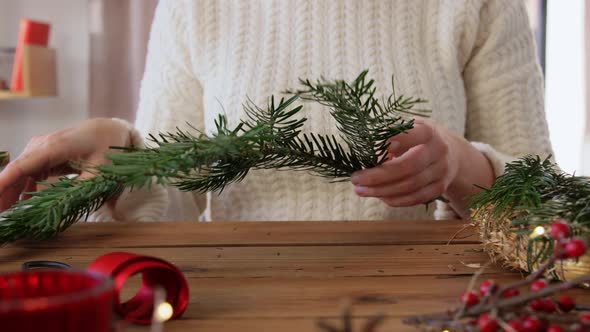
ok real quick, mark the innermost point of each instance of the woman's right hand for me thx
(50, 155)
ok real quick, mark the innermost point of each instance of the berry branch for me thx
(503, 308)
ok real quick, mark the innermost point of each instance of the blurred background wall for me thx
(22, 119)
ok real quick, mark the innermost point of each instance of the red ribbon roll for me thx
(155, 272)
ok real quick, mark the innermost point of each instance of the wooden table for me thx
(283, 276)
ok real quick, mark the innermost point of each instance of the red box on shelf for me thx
(30, 33)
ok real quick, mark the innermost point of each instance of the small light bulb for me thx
(164, 312)
(539, 230)
(446, 331)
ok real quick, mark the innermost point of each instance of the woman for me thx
(474, 61)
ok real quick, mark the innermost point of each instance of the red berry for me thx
(566, 303)
(532, 324)
(538, 285)
(486, 323)
(554, 328)
(537, 305)
(487, 287)
(548, 305)
(469, 298)
(510, 292)
(515, 325)
(575, 248)
(560, 229)
(585, 319)
(559, 250)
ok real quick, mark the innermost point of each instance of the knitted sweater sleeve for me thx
(170, 98)
(504, 86)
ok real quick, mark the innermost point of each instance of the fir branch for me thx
(269, 138)
(520, 185)
(172, 162)
(287, 149)
(192, 163)
(366, 123)
(54, 209)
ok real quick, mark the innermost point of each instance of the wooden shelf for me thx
(7, 95)
(39, 74)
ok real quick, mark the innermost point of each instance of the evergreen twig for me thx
(270, 138)
(535, 192)
(57, 207)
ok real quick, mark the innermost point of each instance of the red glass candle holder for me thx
(56, 300)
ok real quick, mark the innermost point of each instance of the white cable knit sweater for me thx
(473, 60)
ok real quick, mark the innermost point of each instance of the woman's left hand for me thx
(424, 162)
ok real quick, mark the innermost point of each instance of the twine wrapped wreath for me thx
(507, 247)
(513, 216)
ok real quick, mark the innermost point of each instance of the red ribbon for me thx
(155, 272)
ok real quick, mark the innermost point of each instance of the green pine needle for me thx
(366, 123)
(534, 192)
(54, 209)
(270, 138)
(521, 185)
